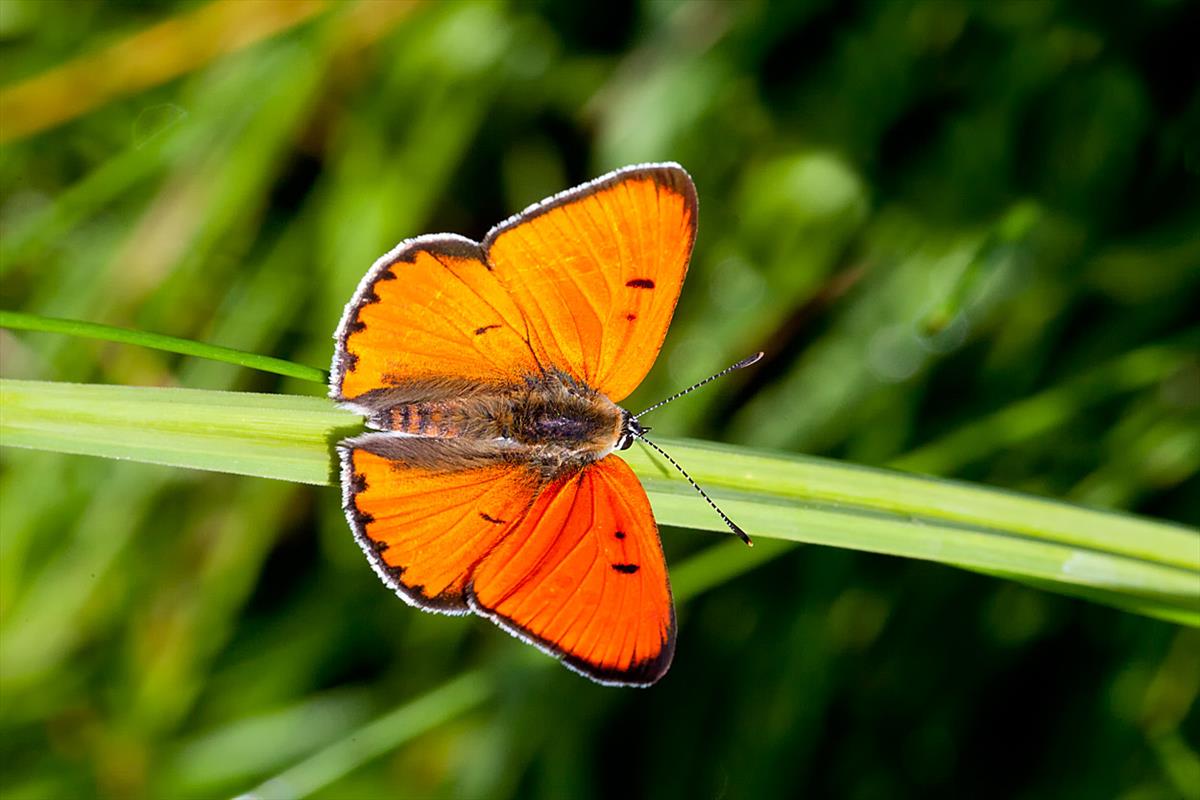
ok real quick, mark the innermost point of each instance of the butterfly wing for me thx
(597, 270)
(583, 577)
(430, 318)
(426, 513)
(574, 566)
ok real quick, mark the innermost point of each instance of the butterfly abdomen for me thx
(561, 428)
(429, 419)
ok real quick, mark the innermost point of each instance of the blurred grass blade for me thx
(144, 59)
(1130, 562)
(16, 320)
(1042, 413)
(376, 738)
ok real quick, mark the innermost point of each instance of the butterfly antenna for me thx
(745, 362)
(732, 525)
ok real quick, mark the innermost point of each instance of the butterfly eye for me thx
(630, 430)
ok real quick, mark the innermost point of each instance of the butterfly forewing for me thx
(597, 272)
(430, 310)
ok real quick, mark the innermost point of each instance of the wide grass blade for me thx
(287, 437)
(1134, 563)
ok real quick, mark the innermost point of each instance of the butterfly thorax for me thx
(549, 419)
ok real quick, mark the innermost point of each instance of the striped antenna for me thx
(640, 433)
(745, 362)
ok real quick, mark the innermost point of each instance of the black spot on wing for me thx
(491, 519)
(626, 569)
(631, 317)
(619, 534)
(640, 283)
(485, 329)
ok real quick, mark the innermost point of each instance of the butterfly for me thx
(491, 373)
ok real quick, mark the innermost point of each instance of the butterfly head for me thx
(630, 430)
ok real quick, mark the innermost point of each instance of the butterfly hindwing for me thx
(427, 512)
(597, 271)
(583, 577)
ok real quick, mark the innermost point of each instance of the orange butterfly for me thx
(492, 371)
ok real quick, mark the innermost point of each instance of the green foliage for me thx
(965, 235)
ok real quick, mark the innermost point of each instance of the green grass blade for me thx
(286, 437)
(1140, 564)
(921, 501)
(393, 729)
(16, 320)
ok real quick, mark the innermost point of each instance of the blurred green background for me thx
(967, 235)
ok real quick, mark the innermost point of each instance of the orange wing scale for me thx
(424, 530)
(583, 576)
(597, 272)
(430, 309)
